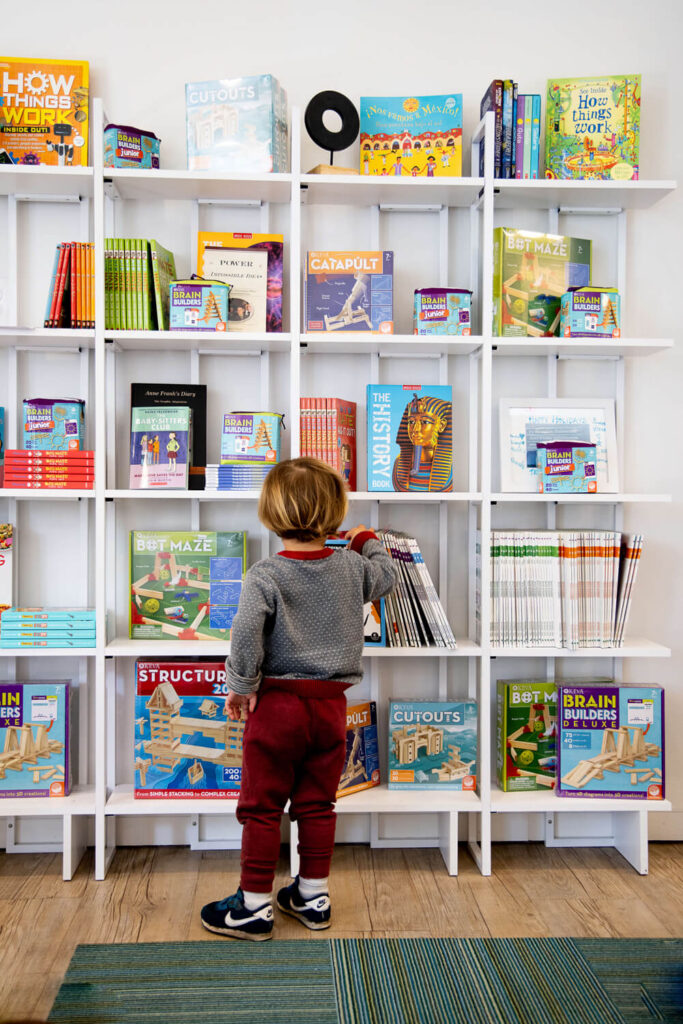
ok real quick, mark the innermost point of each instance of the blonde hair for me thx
(302, 499)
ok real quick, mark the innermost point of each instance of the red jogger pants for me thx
(294, 749)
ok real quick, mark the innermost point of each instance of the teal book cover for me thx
(410, 437)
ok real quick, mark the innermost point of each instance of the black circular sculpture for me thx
(322, 136)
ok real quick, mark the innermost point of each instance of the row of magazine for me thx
(414, 614)
(567, 589)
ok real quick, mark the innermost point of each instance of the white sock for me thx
(312, 887)
(254, 900)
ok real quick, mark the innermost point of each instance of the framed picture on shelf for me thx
(524, 422)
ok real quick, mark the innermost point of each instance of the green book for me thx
(163, 272)
(128, 283)
(146, 293)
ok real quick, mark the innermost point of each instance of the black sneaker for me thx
(314, 913)
(230, 917)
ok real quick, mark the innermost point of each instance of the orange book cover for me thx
(44, 111)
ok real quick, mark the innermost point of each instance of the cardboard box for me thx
(361, 766)
(237, 124)
(591, 312)
(526, 735)
(531, 273)
(611, 741)
(185, 746)
(125, 146)
(349, 291)
(54, 424)
(566, 467)
(198, 305)
(442, 311)
(6, 567)
(433, 745)
(35, 739)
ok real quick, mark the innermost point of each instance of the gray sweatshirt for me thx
(300, 614)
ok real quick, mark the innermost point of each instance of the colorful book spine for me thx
(51, 291)
(534, 157)
(493, 100)
(519, 138)
(528, 112)
(506, 138)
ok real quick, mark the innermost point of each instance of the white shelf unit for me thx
(335, 212)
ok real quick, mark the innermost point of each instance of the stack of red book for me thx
(46, 469)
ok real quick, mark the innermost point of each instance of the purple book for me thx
(519, 138)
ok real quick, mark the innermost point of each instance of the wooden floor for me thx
(154, 894)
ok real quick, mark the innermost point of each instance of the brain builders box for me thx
(185, 745)
(432, 745)
(611, 741)
(34, 739)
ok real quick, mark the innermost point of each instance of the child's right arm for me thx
(380, 571)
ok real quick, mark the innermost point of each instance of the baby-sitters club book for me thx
(410, 437)
(160, 446)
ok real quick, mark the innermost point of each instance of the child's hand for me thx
(350, 534)
(240, 701)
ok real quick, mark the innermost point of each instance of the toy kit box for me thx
(531, 273)
(442, 311)
(349, 291)
(185, 745)
(361, 765)
(185, 585)
(590, 312)
(411, 136)
(125, 146)
(199, 305)
(6, 566)
(2, 444)
(526, 733)
(35, 739)
(566, 467)
(432, 745)
(43, 111)
(611, 741)
(410, 437)
(237, 124)
(54, 424)
(251, 438)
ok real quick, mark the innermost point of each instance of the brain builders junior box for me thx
(34, 739)
(185, 745)
(611, 741)
(432, 745)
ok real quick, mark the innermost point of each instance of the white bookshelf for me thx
(311, 211)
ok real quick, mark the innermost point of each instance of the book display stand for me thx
(441, 230)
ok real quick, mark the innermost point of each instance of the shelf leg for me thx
(448, 840)
(630, 838)
(74, 843)
(293, 849)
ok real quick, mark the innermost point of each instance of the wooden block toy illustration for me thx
(195, 772)
(209, 708)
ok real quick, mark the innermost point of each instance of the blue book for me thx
(410, 437)
(41, 615)
(535, 134)
(506, 147)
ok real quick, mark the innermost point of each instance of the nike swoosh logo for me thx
(265, 915)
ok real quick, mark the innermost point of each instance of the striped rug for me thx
(376, 981)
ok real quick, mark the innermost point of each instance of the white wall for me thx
(142, 53)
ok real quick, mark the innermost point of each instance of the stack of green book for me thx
(137, 274)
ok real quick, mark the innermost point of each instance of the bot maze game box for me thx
(185, 585)
(611, 741)
(34, 739)
(185, 745)
(526, 735)
(361, 766)
(432, 745)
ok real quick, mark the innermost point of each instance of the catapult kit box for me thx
(526, 734)
(611, 741)
(531, 273)
(349, 291)
(43, 111)
(433, 745)
(34, 739)
(185, 745)
(185, 585)
(361, 765)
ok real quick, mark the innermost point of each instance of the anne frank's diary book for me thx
(160, 446)
(191, 395)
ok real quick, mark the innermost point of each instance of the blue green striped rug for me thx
(376, 981)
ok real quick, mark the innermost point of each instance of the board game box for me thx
(35, 722)
(411, 136)
(185, 745)
(185, 585)
(160, 446)
(54, 424)
(611, 741)
(531, 273)
(410, 437)
(237, 124)
(526, 733)
(349, 291)
(44, 111)
(593, 128)
(361, 765)
(432, 745)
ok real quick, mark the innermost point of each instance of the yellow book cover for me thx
(43, 111)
